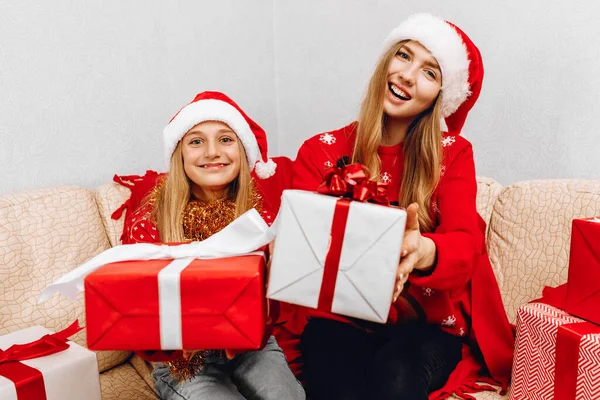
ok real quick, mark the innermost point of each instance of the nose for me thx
(212, 149)
(408, 74)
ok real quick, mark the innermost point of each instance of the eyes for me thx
(430, 73)
(197, 141)
(402, 54)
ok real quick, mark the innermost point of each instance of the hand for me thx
(410, 248)
(418, 252)
(230, 354)
(188, 354)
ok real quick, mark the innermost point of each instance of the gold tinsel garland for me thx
(183, 369)
(202, 219)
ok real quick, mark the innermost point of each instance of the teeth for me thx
(398, 92)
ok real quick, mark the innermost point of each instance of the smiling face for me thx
(414, 80)
(212, 156)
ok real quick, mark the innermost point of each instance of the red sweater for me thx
(448, 297)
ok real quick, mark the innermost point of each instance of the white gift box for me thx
(71, 374)
(366, 273)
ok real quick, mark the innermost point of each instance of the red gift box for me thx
(210, 304)
(583, 285)
(557, 356)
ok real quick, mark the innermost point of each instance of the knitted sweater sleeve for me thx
(458, 237)
(306, 175)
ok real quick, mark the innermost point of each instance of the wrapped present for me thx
(583, 284)
(36, 364)
(337, 254)
(177, 304)
(199, 295)
(557, 356)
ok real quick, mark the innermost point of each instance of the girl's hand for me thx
(417, 252)
(230, 354)
(188, 354)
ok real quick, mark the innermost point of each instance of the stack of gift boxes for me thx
(335, 252)
(557, 351)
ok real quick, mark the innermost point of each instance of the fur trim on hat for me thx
(210, 110)
(446, 45)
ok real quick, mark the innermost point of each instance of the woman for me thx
(447, 326)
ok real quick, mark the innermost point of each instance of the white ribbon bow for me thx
(244, 235)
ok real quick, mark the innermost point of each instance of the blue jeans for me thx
(342, 362)
(254, 375)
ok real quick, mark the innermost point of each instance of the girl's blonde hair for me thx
(173, 195)
(422, 144)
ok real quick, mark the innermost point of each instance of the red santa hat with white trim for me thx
(216, 106)
(459, 59)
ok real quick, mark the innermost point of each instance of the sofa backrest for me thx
(487, 192)
(530, 234)
(110, 197)
(44, 234)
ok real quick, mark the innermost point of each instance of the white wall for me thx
(87, 86)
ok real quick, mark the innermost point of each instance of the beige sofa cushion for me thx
(144, 368)
(123, 382)
(110, 197)
(44, 234)
(487, 191)
(530, 235)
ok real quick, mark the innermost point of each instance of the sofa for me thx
(47, 232)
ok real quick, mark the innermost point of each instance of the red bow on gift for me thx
(47, 344)
(352, 181)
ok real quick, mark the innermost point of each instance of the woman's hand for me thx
(418, 252)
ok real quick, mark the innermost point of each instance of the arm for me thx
(458, 239)
(305, 174)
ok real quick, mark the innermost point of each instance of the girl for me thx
(214, 151)
(447, 326)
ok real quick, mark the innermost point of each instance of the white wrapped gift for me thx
(361, 284)
(71, 374)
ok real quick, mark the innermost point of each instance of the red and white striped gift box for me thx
(557, 356)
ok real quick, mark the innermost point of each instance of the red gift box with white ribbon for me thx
(557, 355)
(198, 295)
(177, 304)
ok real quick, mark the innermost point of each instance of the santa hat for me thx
(215, 106)
(459, 60)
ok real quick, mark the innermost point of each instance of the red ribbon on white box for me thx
(28, 381)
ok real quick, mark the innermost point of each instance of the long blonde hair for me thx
(174, 192)
(422, 144)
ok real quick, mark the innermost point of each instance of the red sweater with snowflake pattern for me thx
(446, 297)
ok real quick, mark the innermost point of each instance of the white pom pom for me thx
(265, 170)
